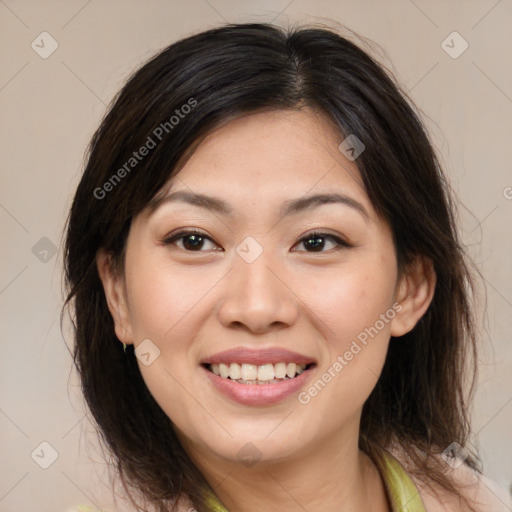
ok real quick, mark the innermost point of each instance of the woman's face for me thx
(257, 283)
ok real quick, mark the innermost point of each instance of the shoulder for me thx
(484, 494)
(185, 505)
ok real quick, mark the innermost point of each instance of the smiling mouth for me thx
(244, 373)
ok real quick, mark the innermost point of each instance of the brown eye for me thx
(316, 242)
(192, 241)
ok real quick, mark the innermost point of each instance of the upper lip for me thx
(257, 356)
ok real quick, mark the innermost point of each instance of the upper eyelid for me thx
(340, 240)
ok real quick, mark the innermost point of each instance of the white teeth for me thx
(280, 370)
(290, 369)
(253, 374)
(266, 372)
(249, 372)
(224, 370)
(235, 372)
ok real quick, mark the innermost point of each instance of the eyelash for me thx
(314, 234)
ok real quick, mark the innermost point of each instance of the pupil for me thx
(193, 241)
(314, 243)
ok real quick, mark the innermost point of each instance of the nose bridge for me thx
(255, 294)
(252, 270)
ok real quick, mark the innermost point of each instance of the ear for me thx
(115, 293)
(415, 290)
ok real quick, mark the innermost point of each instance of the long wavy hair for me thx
(421, 398)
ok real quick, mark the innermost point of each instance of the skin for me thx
(194, 304)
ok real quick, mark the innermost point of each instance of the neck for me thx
(333, 475)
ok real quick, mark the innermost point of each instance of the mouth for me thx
(264, 374)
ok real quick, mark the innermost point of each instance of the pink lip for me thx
(257, 357)
(258, 394)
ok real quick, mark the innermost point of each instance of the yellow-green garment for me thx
(402, 492)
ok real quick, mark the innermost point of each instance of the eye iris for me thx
(193, 241)
(316, 243)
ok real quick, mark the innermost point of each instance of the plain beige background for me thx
(50, 108)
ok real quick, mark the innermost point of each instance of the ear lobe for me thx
(115, 294)
(414, 293)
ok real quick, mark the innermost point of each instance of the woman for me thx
(271, 302)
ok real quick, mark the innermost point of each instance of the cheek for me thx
(352, 299)
(164, 306)
(163, 299)
(355, 350)
(356, 305)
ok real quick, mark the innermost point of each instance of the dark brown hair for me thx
(420, 398)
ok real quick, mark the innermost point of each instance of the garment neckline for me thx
(401, 491)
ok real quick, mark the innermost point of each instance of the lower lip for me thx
(258, 394)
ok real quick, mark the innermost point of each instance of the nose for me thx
(257, 297)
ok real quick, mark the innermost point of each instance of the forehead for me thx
(270, 156)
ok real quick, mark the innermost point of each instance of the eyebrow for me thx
(290, 207)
